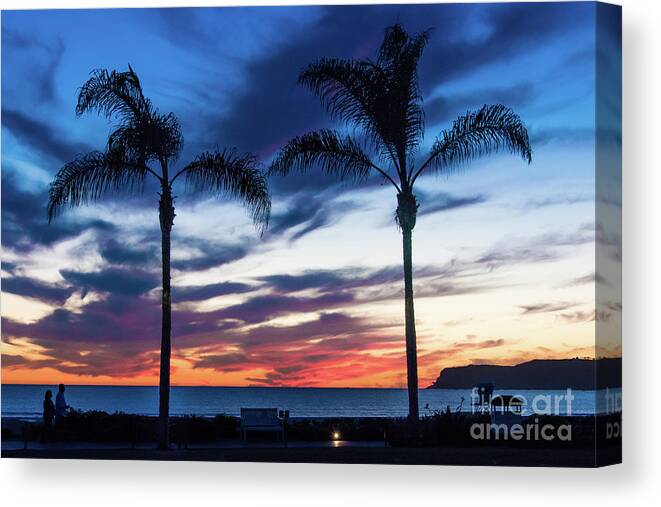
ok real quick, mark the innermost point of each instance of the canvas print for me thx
(383, 234)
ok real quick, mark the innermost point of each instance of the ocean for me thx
(26, 400)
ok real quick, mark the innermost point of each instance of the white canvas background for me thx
(636, 482)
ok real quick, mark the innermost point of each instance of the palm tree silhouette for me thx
(381, 101)
(143, 144)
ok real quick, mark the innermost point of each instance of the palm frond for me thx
(113, 93)
(141, 132)
(491, 129)
(167, 136)
(398, 42)
(326, 149)
(349, 90)
(383, 99)
(399, 56)
(236, 176)
(148, 139)
(90, 176)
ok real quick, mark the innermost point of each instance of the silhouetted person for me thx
(60, 405)
(60, 411)
(49, 414)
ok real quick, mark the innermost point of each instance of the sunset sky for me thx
(503, 252)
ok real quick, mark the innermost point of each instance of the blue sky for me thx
(501, 248)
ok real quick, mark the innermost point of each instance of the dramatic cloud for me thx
(442, 201)
(203, 292)
(261, 308)
(287, 109)
(129, 282)
(105, 324)
(116, 252)
(326, 344)
(43, 69)
(558, 200)
(25, 223)
(41, 137)
(338, 280)
(543, 248)
(546, 307)
(579, 317)
(446, 109)
(562, 135)
(210, 254)
(378, 285)
(592, 278)
(508, 256)
(36, 289)
(508, 29)
(307, 214)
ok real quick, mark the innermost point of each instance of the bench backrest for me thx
(259, 417)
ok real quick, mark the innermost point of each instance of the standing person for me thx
(60, 411)
(60, 406)
(49, 413)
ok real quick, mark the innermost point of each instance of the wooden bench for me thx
(507, 409)
(261, 419)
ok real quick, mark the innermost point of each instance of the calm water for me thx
(26, 400)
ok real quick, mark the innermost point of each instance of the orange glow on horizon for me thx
(374, 376)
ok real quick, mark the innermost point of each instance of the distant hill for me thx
(536, 374)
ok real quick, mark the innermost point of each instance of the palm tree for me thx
(145, 143)
(380, 101)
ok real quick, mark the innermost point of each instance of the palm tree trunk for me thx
(166, 215)
(409, 315)
(407, 210)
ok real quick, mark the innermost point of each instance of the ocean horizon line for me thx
(202, 385)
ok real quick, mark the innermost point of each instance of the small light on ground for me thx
(336, 436)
